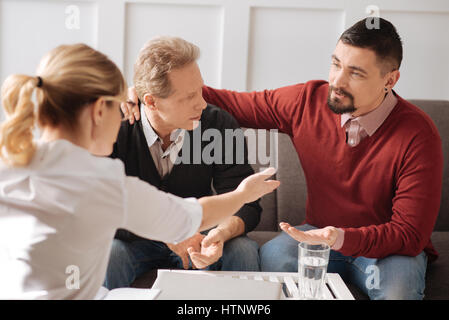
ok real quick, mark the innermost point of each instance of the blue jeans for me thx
(392, 278)
(129, 260)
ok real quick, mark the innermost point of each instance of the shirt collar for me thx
(373, 119)
(176, 136)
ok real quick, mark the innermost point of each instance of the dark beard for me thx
(335, 105)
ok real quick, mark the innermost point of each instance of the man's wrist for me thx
(224, 233)
(232, 227)
(339, 241)
(240, 196)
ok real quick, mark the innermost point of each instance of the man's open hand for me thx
(327, 235)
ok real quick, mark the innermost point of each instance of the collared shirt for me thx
(163, 160)
(360, 127)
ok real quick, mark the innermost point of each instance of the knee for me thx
(279, 255)
(401, 278)
(241, 246)
(119, 272)
(397, 290)
(241, 254)
(402, 287)
(402, 294)
(119, 253)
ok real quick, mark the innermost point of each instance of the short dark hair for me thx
(381, 37)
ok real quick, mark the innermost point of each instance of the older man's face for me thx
(183, 108)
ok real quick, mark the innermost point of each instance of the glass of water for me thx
(312, 267)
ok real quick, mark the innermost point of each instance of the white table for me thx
(335, 288)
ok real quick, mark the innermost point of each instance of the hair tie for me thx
(39, 82)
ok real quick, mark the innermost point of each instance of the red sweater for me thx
(384, 193)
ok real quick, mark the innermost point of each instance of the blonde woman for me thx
(60, 203)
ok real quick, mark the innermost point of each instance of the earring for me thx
(386, 89)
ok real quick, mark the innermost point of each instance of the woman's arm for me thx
(219, 207)
(161, 216)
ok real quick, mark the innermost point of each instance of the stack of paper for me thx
(190, 286)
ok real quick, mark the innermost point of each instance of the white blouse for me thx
(58, 217)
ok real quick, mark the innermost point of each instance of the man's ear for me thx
(148, 100)
(98, 111)
(392, 79)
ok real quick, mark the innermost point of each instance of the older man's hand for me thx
(181, 249)
(211, 249)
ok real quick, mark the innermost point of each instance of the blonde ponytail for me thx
(16, 133)
(73, 76)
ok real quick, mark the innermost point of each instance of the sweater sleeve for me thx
(268, 109)
(415, 206)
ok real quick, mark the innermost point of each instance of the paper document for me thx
(190, 286)
(127, 294)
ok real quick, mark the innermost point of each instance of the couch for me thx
(287, 203)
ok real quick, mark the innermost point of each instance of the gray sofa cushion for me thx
(439, 112)
(288, 203)
(268, 219)
(292, 193)
(437, 277)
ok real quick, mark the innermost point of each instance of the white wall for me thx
(246, 44)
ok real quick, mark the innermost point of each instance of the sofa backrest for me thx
(288, 202)
(439, 112)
